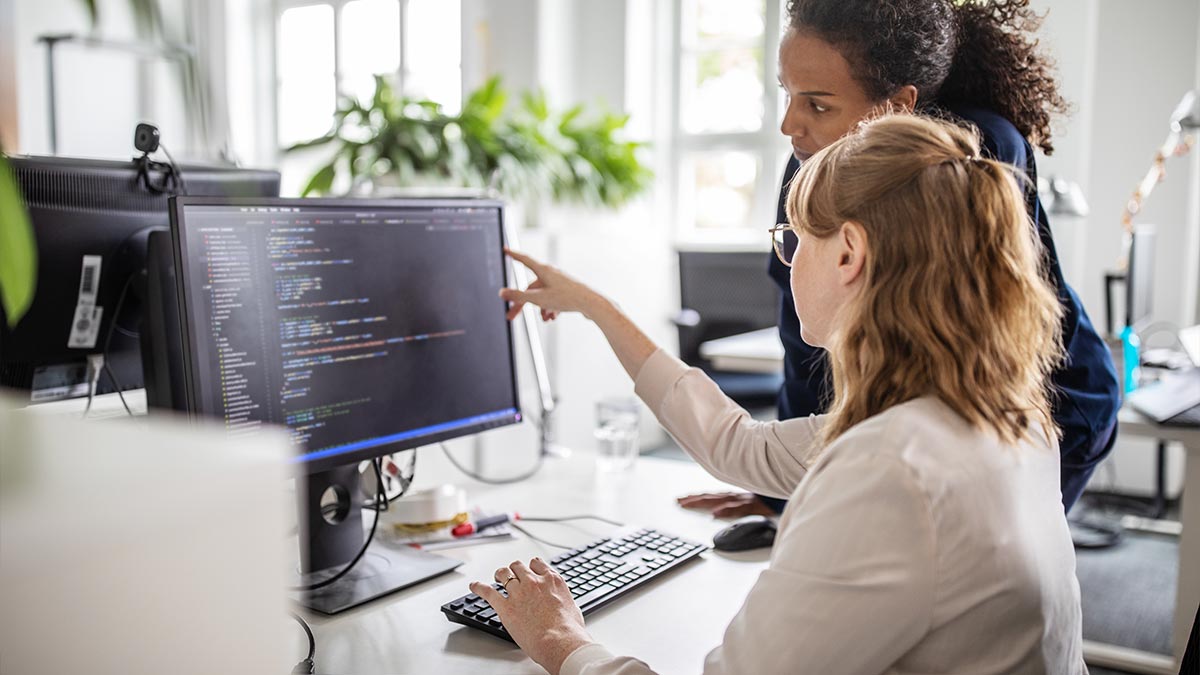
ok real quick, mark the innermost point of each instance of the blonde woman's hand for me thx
(553, 291)
(539, 612)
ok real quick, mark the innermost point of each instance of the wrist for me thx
(596, 306)
(563, 645)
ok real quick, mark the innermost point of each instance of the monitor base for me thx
(381, 571)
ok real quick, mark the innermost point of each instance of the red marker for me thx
(482, 524)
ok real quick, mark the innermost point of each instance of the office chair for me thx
(1191, 656)
(725, 293)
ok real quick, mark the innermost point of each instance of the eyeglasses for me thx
(783, 237)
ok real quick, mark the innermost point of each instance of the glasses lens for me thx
(785, 244)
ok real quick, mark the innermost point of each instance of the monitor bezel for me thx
(179, 242)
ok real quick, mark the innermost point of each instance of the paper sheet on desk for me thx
(441, 539)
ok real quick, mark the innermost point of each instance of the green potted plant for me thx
(18, 251)
(526, 152)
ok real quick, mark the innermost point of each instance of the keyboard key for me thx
(597, 592)
(487, 614)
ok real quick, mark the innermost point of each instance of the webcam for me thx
(145, 138)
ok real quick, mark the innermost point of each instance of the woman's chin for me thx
(810, 339)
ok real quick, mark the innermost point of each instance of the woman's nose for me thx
(790, 126)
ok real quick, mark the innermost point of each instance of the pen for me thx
(482, 524)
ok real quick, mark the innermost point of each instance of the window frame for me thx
(303, 163)
(400, 75)
(766, 144)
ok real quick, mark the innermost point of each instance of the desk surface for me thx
(671, 624)
(759, 351)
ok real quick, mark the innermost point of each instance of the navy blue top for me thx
(1088, 394)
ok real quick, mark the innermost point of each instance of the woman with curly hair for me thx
(973, 61)
(924, 531)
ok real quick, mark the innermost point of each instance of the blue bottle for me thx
(1131, 358)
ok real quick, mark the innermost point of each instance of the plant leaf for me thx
(93, 12)
(18, 249)
(327, 138)
(321, 182)
(147, 17)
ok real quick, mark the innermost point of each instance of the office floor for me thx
(1127, 591)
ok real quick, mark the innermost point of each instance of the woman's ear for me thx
(905, 99)
(852, 256)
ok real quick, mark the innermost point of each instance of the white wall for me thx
(1125, 66)
(1192, 291)
(99, 100)
(1070, 33)
(8, 75)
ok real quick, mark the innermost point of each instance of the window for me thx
(327, 49)
(726, 143)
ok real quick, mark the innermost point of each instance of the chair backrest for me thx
(1191, 656)
(730, 292)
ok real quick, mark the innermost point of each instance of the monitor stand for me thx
(327, 544)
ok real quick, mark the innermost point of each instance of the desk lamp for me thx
(1184, 123)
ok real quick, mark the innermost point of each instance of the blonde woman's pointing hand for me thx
(553, 291)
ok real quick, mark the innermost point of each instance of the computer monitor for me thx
(362, 326)
(1139, 283)
(92, 221)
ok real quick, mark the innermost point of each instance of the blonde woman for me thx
(924, 530)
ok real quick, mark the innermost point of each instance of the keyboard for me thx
(597, 574)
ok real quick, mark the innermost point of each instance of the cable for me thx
(175, 171)
(566, 518)
(405, 482)
(309, 664)
(374, 523)
(537, 539)
(172, 182)
(112, 324)
(95, 366)
(502, 481)
(557, 520)
(117, 384)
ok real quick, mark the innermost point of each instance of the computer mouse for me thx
(745, 534)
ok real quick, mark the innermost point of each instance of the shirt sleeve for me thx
(769, 458)
(850, 588)
(594, 659)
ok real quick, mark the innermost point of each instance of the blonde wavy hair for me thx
(955, 302)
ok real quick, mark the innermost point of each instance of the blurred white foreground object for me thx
(138, 546)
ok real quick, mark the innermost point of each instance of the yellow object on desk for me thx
(418, 528)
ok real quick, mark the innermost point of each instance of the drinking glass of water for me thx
(616, 433)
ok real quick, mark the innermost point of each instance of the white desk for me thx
(761, 351)
(671, 624)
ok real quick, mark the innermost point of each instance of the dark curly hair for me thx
(981, 53)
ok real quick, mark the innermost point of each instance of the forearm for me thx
(628, 342)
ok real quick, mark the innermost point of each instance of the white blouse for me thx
(914, 543)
